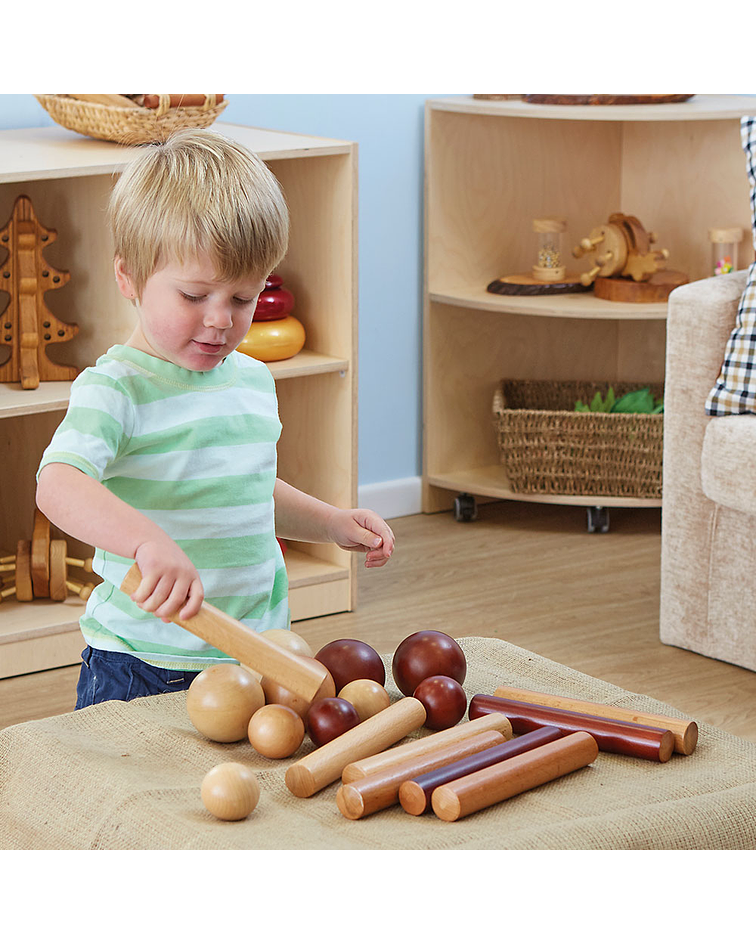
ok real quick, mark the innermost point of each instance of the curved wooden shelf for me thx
(580, 305)
(491, 482)
(698, 108)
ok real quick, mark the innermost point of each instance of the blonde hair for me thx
(198, 193)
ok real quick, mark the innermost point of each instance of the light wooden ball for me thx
(367, 696)
(276, 731)
(289, 640)
(276, 694)
(230, 791)
(222, 700)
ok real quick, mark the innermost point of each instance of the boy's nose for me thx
(218, 316)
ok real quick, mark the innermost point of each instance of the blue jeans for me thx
(109, 675)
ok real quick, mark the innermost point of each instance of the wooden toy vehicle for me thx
(40, 567)
(626, 268)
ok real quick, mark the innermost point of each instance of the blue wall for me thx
(389, 131)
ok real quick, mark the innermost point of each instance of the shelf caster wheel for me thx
(598, 519)
(465, 508)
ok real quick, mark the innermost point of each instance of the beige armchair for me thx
(708, 555)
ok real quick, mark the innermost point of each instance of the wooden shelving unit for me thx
(68, 178)
(492, 166)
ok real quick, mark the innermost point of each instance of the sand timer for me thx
(550, 232)
(724, 248)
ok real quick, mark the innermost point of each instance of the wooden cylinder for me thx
(368, 795)
(368, 766)
(684, 731)
(302, 677)
(496, 783)
(622, 738)
(415, 794)
(324, 765)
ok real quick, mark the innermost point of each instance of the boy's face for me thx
(187, 316)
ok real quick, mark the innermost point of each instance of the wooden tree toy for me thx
(40, 567)
(27, 325)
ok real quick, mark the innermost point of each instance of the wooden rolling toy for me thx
(325, 765)
(622, 738)
(299, 675)
(685, 731)
(415, 794)
(28, 326)
(626, 268)
(498, 782)
(370, 764)
(367, 795)
(40, 567)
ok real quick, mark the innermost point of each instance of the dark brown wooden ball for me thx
(427, 653)
(347, 660)
(444, 700)
(329, 718)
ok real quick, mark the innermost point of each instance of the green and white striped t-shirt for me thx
(195, 452)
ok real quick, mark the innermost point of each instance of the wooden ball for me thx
(347, 660)
(276, 694)
(329, 718)
(444, 700)
(427, 653)
(367, 696)
(289, 640)
(230, 791)
(276, 731)
(222, 700)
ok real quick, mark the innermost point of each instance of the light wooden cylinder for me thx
(298, 675)
(415, 795)
(324, 765)
(491, 785)
(685, 731)
(359, 798)
(370, 765)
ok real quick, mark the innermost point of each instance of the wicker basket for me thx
(549, 448)
(129, 125)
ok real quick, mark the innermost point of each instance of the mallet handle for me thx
(368, 766)
(324, 765)
(496, 783)
(623, 738)
(685, 731)
(415, 794)
(235, 639)
(368, 795)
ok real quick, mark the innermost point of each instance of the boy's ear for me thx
(123, 280)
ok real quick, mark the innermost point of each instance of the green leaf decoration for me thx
(636, 401)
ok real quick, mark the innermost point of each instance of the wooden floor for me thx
(530, 574)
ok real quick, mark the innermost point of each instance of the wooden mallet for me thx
(293, 672)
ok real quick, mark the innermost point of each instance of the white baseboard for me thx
(394, 498)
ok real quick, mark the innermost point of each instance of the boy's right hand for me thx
(170, 582)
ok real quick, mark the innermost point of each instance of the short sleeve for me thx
(98, 421)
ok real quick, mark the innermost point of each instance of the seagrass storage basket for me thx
(129, 125)
(549, 448)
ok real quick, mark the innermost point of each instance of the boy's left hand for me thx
(363, 531)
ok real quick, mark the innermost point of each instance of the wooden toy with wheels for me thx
(626, 268)
(40, 566)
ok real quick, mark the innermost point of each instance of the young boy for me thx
(167, 453)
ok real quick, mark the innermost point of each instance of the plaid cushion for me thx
(735, 389)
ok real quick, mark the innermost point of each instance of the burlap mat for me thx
(127, 776)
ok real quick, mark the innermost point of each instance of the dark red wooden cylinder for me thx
(622, 738)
